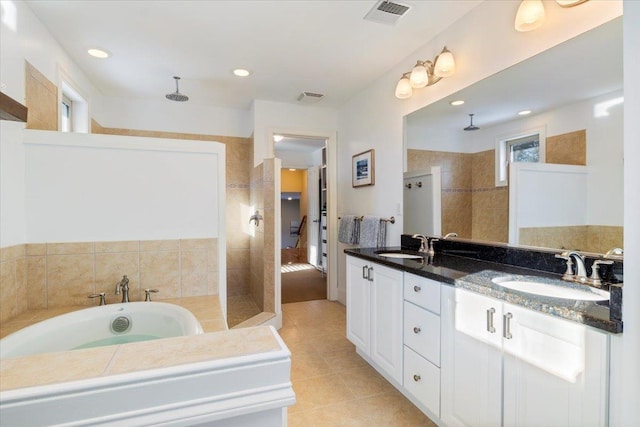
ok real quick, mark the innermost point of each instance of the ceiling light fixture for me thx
(524, 112)
(471, 125)
(98, 53)
(277, 138)
(241, 72)
(456, 103)
(530, 15)
(292, 170)
(426, 73)
(569, 3)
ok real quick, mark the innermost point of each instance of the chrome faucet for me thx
(446, 236)
(424, 242)
(574, 257)
(124, 285)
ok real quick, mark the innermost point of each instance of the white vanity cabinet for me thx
(422, 341)
(374, 313)
(503, 364)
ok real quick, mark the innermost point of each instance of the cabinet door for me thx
(555, 371)
(471, 362)
(358, 304)
(386, 320)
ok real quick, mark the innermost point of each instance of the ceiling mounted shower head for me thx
(471, 126)
(177, 96)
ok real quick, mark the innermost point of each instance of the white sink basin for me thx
(398, 255)
(548, 290)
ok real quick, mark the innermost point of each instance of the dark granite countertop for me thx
(476, 276)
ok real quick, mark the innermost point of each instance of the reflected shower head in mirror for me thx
(177, 96)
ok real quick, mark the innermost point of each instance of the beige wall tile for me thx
(110, 267)
(41, 98)
(159, 245)
(8, 291)
(70, 280)
(12, 252)
(213, 287)
(160, 270)
(36, 248)
(70, 248)
(21, 285)
(194, 284)
(568, 148)
(123, 246)
(36, 282)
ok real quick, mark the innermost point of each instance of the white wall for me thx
(169, 116)
(13, 226)
(82, 187)
(276, 117)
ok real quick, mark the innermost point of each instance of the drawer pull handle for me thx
(490, 313)
(416, 378)
(364, 272)
(416, 330)
(417, 288)
(507, 326)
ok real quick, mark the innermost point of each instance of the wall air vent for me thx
(310, 97)
(387, 12)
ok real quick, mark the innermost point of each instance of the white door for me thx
(471, 362)
(422, 202)
(386, 320)
(358, 303)
(313, 216)
(555, 372)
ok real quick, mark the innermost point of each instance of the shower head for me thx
(471, 126)
(177, 96)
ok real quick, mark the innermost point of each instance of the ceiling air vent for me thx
(387, 12)
(309, 97)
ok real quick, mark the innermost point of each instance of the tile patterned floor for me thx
(334, 386)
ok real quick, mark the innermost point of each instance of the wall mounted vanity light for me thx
(426, 73)
(531, 13)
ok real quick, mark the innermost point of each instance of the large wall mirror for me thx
(552, 178)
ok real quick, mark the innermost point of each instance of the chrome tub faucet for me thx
(124, 285)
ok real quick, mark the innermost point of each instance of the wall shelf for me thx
(11, 109)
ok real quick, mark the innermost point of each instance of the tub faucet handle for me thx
(147, 293)
(101, 295)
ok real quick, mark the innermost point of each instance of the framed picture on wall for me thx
(363, 169)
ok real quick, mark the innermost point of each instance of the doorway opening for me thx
(303, 204)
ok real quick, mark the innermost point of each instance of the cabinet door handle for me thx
(417, 288)
(416, 330)
(369, 276)
(490, 313)
(416, 378)
(364, 272)
(507, 326)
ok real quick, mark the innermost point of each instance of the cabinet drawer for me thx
(423, 292)
(422, 380)
(422, 332)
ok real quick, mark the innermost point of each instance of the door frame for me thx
(332, 208)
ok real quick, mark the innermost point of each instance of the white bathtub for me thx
(102, 325)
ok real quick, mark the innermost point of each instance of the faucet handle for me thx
(103, 301)
(147, 293)
(568, 274)
(595, 279)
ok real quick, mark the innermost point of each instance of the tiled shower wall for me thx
(262, 243)
(589, 238)
(50, 275)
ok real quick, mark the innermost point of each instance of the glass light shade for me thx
(419, 76)
(403, 88)
(530, 15)
(445, 65)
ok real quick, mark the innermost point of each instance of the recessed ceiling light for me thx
(292, 170)
(289, 198)
(277, 138)
(524, 112)
(241, 72)
(458, 102)
(98, 53)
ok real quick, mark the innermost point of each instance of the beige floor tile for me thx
(335, 386)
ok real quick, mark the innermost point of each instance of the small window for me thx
(66, 115)
(526, 147)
